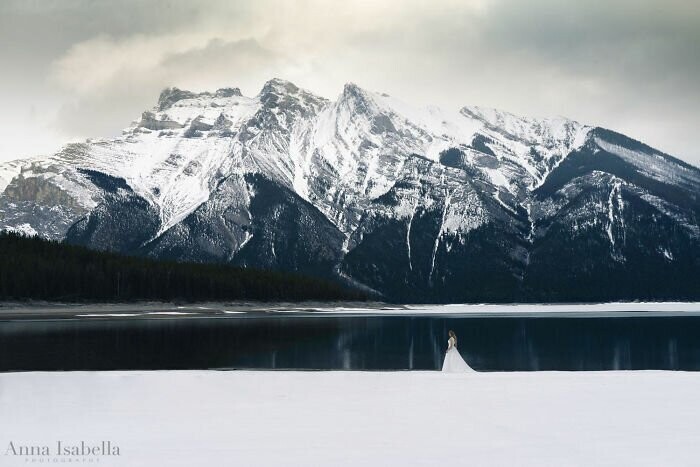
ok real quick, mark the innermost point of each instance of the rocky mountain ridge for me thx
(419, 204)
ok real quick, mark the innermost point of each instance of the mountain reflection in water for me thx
(352, 342)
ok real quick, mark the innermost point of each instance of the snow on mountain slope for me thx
(431, 197)
(364, 139)
(173, 157)
(8, 171)
(538, 145)
(653, 164)
(178, 151)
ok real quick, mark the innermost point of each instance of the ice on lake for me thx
(186, 418)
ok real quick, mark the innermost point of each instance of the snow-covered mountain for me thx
(417, 204)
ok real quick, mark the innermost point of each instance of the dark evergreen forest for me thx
(39, 269)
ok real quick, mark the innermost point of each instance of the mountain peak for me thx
(357, 98)
(449, 205)
(169, 96)
(352, 89)
(279, 86)
(499, 117)
(228, 92)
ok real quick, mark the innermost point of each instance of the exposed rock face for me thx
(418, 204)
(170, 96)
(228, 92)
(149, 121)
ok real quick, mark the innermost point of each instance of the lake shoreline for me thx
(151, 309)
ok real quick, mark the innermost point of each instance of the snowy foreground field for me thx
(247, 418)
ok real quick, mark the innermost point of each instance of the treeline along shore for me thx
(33, 268)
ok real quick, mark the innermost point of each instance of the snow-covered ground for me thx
(156, 309)
(578, 309)
(242, 418)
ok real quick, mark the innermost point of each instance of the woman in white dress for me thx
(453, 360)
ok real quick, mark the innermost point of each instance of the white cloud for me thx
(628, 65)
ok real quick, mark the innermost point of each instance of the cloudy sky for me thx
(72, 69)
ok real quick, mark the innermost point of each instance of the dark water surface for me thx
(509, 342)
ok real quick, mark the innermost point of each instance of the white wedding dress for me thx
(454, 363)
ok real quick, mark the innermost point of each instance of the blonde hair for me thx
(452, 335)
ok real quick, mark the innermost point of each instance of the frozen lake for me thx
(349, 336)
(248, 418)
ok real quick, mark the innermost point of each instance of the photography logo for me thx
(62, 451)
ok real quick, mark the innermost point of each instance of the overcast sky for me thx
(72, 69)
